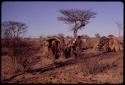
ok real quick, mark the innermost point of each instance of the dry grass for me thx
(87, 68)
(108, 44)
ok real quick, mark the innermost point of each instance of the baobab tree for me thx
(77, 18)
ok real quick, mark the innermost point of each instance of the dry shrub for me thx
(6, 45)
(89, 43)
(108, 44)
(23, 51)
(6, 51)
(114, 45)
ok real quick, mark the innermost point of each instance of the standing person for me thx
(78, 44)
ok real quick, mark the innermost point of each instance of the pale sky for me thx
(41, 17)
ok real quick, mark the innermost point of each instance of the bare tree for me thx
(77, 18)
(12, 29)
(12, 33)
(97, 35)
(120, 28)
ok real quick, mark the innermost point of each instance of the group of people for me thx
(58, 47)
(74, 48)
